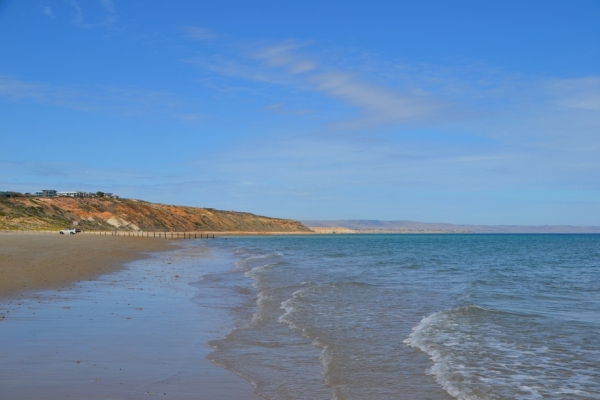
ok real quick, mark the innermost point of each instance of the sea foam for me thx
(480, 353)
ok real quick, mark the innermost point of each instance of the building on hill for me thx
(85, 194)
(46, 193)
(104, 194)
(73, 194)
(11, 194)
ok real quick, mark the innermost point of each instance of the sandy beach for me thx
(33, 261)
(90, 317)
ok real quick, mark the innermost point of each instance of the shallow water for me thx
(413, 316)
(138, 332)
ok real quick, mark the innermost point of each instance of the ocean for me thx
(411, 316)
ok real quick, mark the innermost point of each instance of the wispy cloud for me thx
(241, 68)
(378, 106)
(14, 89)
(362, 95)
(57, 170)
(198, 33)
(144, 183)
(479, 127)
(282, 55)
(281, 108)
(125, 101)
(109, 6)
(47, 11)
(107, 20)
(286, 64)
(578, 93)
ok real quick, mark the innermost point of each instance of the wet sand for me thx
(138, 331)
(34, 261)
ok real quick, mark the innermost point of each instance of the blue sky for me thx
(435, 111)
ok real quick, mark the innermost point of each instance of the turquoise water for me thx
(414, 316)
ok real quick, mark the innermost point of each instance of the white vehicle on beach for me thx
(70, 231)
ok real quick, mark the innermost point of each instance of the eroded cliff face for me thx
(132, 215)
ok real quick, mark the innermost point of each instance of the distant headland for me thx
(377, 226)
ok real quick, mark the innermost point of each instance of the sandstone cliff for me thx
(132, 215)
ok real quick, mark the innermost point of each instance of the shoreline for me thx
(206, 235)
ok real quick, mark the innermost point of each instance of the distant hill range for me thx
(131, 215)
(376, 226)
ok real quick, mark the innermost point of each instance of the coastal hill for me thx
(376, 226)
(131, 215)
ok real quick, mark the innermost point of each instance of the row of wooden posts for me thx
(166, 235)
